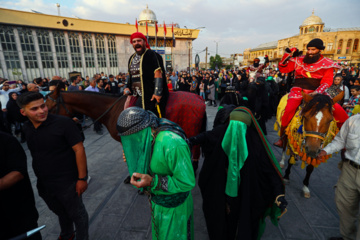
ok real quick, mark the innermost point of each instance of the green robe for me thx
(173, 173)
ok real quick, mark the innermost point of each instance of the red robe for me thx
(320, 73)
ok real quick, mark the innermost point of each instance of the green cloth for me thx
(137, 149)
(273, 211)
(235, 146)
(216, 89)
(173, 173)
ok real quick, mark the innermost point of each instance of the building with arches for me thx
(36, 45)
(341, 44)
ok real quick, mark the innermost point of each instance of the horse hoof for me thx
(306, 192)
(286, 181)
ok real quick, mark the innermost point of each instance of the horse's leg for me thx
(309, 170)
(282, 162)
(287, 172)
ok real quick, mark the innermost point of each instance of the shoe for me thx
(215, 105)
(71, 238)
(127, 180)
(209, 104)
(88, 180)
(280, 143)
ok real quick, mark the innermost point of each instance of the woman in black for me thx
(14, 116)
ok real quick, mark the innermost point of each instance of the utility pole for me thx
(206, 53)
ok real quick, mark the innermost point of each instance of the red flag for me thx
(164, 29)
(147, 32)
(156, 28)
(136, 25)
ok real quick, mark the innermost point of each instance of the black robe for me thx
(150, 62)
(236, 218)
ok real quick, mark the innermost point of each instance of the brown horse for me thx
(186, 109)
(316, 118)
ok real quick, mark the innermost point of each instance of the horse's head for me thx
(54, 101)
(317, 116)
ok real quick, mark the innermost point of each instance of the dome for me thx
(312, 20)
(147, 15)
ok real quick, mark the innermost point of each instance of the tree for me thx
(215, 62)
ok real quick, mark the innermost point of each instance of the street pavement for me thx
(117, 211)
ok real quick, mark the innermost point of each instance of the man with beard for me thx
(256, 69)
(313, 75)
(147, 83)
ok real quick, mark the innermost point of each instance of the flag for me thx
(136, 25)
(173, 35)
(147, 32)
(156, 30)
(164, 35)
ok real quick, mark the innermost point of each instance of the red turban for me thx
(139, 35)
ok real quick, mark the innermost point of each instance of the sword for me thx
(28, 234)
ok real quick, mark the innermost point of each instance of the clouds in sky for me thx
(235, 24)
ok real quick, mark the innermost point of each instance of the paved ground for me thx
(116, 211)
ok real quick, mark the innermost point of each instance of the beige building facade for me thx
(341, 44)
(39, 45)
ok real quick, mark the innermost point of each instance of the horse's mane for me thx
(93, 93)
(317, 103)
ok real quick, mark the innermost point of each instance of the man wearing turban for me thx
(147, 82)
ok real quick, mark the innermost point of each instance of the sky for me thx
(234, 24)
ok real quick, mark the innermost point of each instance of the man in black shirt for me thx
(59, 162)
(17, 204)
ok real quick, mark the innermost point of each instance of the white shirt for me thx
(4, 96)
(348, 137)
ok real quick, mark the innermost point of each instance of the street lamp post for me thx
(217, 42)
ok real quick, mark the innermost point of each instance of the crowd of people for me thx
(236, 145)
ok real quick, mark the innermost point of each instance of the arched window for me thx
(112, 51)
(100, 50)
(339, 46)
(75, 49)
(306, 30)
(301, 31)
(88, 50)
(348, 46)
(275, 54)
(11, 54)
(60, 48)
(311, 29)
(317, 29)
(356, 45)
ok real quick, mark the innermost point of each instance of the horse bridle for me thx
(59, 100)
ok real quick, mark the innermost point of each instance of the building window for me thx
(75, 49)
(9, 47)
(45, 49)
(100, 50)
(28, 48)
(301, 32)
(311, 29)
(348, 46)
(317, 29)
(339, 46)
(112, 50)
(88, 50)
(306, 30)
(356, 45)
(60, 48)
(330, 46)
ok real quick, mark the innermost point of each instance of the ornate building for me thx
(38, 45)
(341, 44)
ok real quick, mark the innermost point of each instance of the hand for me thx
(145, 180)
(283, 203)
(156, 97)
(126, 91)
(76, 120)
(322, 154)
(81, 187)
(124, 156)
(313, 94)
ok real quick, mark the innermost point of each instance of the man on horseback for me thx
(256, 69)
(313, 75)
(147, 83)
